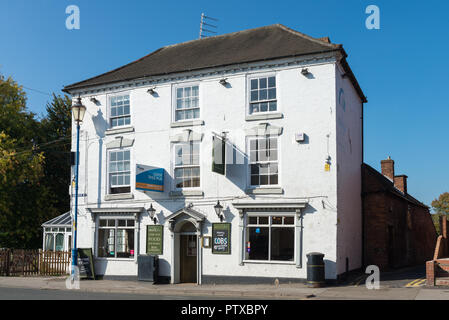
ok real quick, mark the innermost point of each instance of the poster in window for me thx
(155, 239)
(221, 238)
(191, 246)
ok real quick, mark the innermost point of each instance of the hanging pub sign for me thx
(218, 155)
(86, 263)
(221, 238)
(149, 178)
(155, 235)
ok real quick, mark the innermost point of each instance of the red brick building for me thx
(398, 229)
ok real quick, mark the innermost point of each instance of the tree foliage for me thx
(441, 205)
(441, 208)
(56, 133)
(34, 168)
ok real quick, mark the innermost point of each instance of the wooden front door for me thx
(188, 254)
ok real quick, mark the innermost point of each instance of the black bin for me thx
(315, 270)
(147, 268)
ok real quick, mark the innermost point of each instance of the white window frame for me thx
(175, 167)
(109, 112)
(174, 101)
(97, 233)
(248, 93)
(248, 152)
(108, 173)
(66, 232)
(269, 225)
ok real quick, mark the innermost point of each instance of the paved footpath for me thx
(283, 291)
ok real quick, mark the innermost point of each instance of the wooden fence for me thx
(17, 262)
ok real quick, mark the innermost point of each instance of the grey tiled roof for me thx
(264, 43)
(64, 220)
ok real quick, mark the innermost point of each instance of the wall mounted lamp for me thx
(94, 100)
(152, 213)
(218, 210)
(151, 91)
(305, 72)
(224, 82)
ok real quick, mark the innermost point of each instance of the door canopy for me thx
(185, 215)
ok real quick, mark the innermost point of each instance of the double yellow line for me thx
(416, 283)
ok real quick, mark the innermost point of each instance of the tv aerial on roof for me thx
(203, 31)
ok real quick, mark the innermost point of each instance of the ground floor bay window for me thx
(116, 238)
(270, 238)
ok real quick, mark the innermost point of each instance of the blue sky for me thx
(403, 68)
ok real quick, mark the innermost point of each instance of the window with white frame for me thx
(119, 172)
(56, 237)
(270, 237)
(116, 238)
(263, 95)
(187, 165)
(187, 103)
(119, 111)
(263, 161)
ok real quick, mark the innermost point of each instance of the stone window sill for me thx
(267, 190)
(264, 116)
(187, 123)
(119, 130)
(187, 193)
(122, 196)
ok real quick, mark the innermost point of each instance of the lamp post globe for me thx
(78, 110)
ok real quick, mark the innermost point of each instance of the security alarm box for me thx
(299, 137)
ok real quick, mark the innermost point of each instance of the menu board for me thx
(221, 238)
(155, 239)
(86, 263)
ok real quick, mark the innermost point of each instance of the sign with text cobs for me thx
(221, 238)
(149, 178)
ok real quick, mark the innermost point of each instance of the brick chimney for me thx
(387, 167)
(400, 182)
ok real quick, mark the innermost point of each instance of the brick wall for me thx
(397, 232)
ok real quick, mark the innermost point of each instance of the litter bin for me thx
(315, 270)
(147, 268)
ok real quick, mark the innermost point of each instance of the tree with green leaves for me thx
(56, 138)
(441, 208)
(22, 197)
(34, 165)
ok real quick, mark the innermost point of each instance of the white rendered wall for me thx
(308, 105)
(349, 161)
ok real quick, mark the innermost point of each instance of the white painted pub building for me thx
(288, 113)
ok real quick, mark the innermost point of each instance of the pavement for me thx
(351, 290)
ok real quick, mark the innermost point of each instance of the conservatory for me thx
(58, 233)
